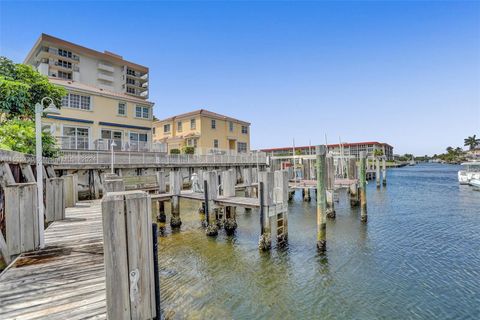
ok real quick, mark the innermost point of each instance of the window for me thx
(142, 112)
(138, 141)
(85, 102)
(193, 124)
(65, 101)
(192, 142)
(77, 101)
(241, 147)
(130, 81)
(65, 75)
(64, 53)
(131, 72)
(231, 126)
(74, 101)
(214, 124)
(64, 64)
(122, 109)
(215, 144)
(153, 130)
(75, 138)
(179, 126)
(112, 135)
(166, 128)
(244, 129)
(130, 90)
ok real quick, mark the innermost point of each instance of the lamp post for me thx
(51, 109)
(113, 144)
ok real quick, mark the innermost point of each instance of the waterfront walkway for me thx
(66, 280)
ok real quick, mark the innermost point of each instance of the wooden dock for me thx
(66, 280)
(251, 203)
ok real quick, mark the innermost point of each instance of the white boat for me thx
(470, 171)
(475, 183)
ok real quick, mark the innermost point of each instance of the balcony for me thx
(82, 143)
(105, 77)
(105, 67)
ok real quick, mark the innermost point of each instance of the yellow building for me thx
(207, 131)
(91, 118)
(106, 101)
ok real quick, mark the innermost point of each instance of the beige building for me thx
(106, 98)
(206, 131)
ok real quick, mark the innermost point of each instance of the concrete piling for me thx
(306, 194)
(363, 188)
(321, 200)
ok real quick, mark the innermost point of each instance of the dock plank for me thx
(66, 279)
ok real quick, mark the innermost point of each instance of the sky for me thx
(406, 73)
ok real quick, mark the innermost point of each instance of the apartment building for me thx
(106, 101)
(347, 149)
(206, 131)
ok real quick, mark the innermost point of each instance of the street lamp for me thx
(51, 109)
(113, 144)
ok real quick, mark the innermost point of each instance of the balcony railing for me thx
(83, 143)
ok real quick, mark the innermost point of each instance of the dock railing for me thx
(121, 157)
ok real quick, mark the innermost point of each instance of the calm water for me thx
(417, 258)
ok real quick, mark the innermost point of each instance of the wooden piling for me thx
(211, 194)
(384, 171)
(306, 194)
(377, 172)
(54, 199)
(363, 188)
(175, 189)
(281, 198)
(330, 186)
(71, 190)
(266, 186)
(321, 200)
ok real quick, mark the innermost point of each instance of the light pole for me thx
(51, 109)
(113, 144)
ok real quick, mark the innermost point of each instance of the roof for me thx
(78, 86)
(329, 145)
(206, 113)
(84, 50)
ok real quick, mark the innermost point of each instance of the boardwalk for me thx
(66, 280)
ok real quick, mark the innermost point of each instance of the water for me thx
(417, 258)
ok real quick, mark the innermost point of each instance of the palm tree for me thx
(449, 149)
(472, 142)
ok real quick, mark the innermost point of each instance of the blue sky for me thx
(406, 73)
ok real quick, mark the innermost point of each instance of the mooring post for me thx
(321, 200)
(377, 172)
(330, 186)
(211, 192)
(247, 181)
(306, 194)
(363, 188)
(266, 184)
(384, 171)
(175, 189)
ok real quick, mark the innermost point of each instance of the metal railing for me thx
(83, 143)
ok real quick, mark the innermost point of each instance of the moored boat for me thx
(470, 171)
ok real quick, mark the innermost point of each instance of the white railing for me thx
(81, 157)
(82, 143)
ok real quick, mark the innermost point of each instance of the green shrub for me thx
(19, 135)
(175, 151)
(188, 150)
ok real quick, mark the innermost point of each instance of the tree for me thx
(378, 153)
(472, 142)
(21, 87)
(19, 135)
